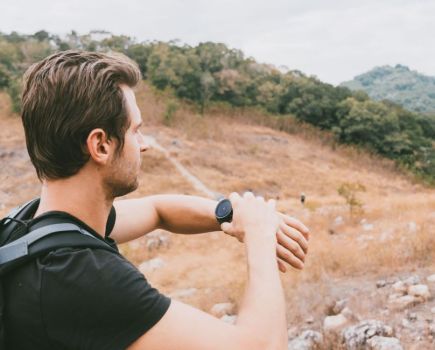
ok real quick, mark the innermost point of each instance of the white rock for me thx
(231, 319)
(431, 278)
(356, 337)
(308, 340)
(346, 312)
(334, 323)
(403, 302)
(399, 287)
(419, 290)
(384, 343)
(151, 265)
(432, 310)
(222, 309)
(412, 280)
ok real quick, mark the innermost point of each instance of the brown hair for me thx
(65, 97)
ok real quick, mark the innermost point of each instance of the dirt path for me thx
(193, 180)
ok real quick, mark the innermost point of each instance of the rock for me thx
(420, 291)
(339, 306)
(431, 278)
(151, 265)
(334, 323)
(412, 280)
(308, 340)
(403, 302)
(400, 287)
(356, 337)
(384, 343)
(222, 309)
(432, 330)
(231, 319)
(184, 293)
(432, 310)
(381, 283)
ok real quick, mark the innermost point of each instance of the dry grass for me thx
(240, 151)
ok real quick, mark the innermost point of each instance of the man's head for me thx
(78, 107)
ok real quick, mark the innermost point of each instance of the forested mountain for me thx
(212, 72)
(398, 84)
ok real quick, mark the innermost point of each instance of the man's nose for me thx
(145, 143)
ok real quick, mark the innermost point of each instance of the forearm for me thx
(186, 214)
(263, 307)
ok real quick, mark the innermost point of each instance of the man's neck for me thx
(80, 196)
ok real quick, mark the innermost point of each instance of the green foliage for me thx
(171, 109)
(399, 84)
(348, 191)
(213, 73)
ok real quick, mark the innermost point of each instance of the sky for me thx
(334, 40)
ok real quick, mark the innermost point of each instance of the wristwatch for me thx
(224, 211)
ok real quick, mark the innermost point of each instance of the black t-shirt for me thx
(79, 298)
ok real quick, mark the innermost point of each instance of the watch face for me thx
(224, 208)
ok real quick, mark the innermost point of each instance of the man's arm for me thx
(191, 214)
(174, 213)
(261, 322)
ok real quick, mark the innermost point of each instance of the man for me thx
(82, 128)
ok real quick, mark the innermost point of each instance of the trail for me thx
(192, 179)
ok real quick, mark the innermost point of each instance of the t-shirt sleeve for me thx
(94, 299)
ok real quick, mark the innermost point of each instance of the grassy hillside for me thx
(212, 73)
(398, 84)
(236, 151)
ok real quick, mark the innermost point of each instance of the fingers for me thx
(296, 224)
(291, 245)
(294, 235)
(281, 265)
(288, 257)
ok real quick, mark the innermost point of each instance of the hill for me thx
(391, 237)
(398, 84)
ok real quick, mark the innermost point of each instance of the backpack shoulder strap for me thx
(42, 240)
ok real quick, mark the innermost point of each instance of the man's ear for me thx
(99, 146)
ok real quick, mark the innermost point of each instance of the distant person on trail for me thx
(83, 135)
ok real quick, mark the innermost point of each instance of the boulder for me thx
(402, 302)
(400, 287)
(412, 280)
(335, 323)
(384, 343)
(420, 291)
(431, 278)
(221, 309)
(356, 337)
(308, 340)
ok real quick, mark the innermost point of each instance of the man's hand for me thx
(292, 241)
